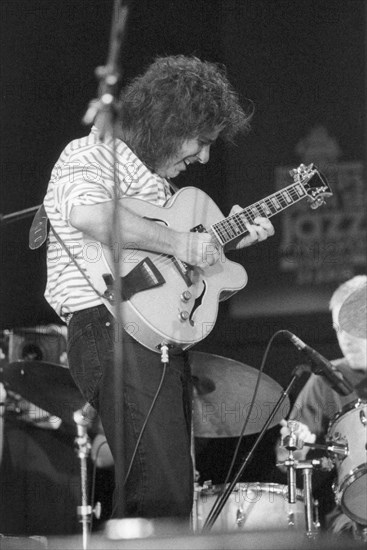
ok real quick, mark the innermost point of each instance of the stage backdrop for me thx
(301, 65)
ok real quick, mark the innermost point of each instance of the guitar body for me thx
(164, 301)
(182, 308)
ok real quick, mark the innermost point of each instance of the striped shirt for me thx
(84, 175)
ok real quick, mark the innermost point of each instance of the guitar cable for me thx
(164, 348)
(165, 364)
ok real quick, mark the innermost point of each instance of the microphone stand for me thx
(83, 448)
(218, 507)
(103, 112)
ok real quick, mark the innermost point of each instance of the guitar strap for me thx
(39, 231)
(38, 235)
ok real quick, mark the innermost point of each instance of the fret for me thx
(235, 226)
(229, 229)
(217, 233)
(254, 211)
(286, 196)
(282, 201)
(265, 208)
(218, 228)
(242, 220)
(294, 195)
(276, 203)
(225, 231)
(238, 224)
(299, 190)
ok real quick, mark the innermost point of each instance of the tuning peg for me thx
(315, 203)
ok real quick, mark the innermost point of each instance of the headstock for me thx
(313, 182)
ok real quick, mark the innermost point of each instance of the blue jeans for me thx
(160, 483)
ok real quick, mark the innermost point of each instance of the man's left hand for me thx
(259, 230)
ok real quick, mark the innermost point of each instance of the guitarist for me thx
(168, 119)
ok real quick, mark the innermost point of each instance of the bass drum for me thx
(252, 506)
(349, 428)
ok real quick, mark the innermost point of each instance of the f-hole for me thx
(197, 303)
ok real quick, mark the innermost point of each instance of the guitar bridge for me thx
(183, 269)
(144, 276)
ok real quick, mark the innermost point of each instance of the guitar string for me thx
(269, 203)
(295, 192)
(166, 259)
(225, 227)
(248, 214)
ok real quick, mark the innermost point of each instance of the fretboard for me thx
(235, 226)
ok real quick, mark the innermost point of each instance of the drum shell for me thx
(349, 427)
(252, 506)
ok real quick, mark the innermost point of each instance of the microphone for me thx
(323, 367)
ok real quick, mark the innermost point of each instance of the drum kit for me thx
(259, 506)
(223, 391)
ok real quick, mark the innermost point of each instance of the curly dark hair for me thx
(176, 99)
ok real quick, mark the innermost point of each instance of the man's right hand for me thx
(303, 435)
(196, 249)
(301, 431)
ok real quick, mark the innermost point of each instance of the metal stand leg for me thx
(292, 443)
(312, 522)
(84, 511)
(311, 529)
(83, 448)
(194, 512)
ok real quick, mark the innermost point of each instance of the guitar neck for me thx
(234, 226)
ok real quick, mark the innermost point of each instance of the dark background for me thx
(301, 62)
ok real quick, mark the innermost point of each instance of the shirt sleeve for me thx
(316, 405)
(83, 179)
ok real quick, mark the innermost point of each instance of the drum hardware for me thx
(347, 433)
(361, 533)
(293, 443)
(336, 448)
(251, 506)
(362, 417)
(222, 391)
(311, 505)
(240, 516)
(51, 387)
(222, 498)
(345, 447)
(47, 385)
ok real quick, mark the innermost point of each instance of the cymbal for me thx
(223, 391)
(46, 385)
(353, 313)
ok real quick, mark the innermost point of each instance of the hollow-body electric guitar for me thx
(164, 300)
